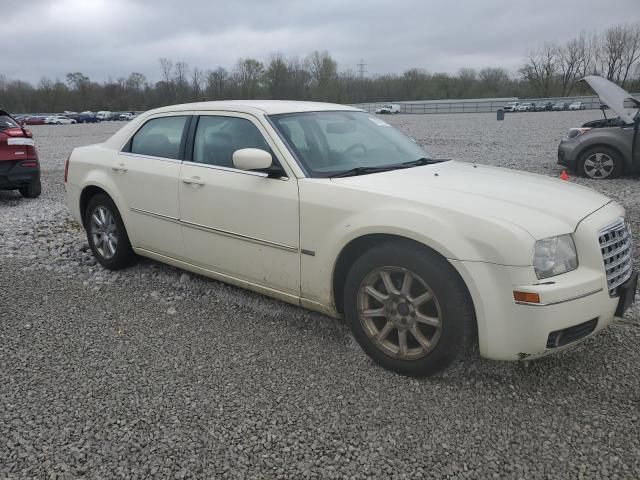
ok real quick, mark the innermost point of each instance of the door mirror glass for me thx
(252, 159)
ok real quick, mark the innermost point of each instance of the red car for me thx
(34, 120)
(19, 166)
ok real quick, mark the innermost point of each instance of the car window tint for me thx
(159, 137)
(218, 137)
(7, 122)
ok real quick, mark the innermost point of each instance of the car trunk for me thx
(17, 148)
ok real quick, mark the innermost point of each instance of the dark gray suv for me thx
(609, 147)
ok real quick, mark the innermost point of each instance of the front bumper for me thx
(573, 306)
(13, 175)
(568, 152)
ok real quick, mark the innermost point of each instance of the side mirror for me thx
(252, 159)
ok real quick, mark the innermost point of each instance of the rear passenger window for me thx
(159, 137)
(218, 137)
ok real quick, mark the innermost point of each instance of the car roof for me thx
(269, 107)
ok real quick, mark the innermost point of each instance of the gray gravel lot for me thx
(151, 372)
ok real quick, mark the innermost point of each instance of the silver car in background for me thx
(609, 147)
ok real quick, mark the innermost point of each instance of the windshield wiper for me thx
(385, 168)
(352, 172)
(424, 161)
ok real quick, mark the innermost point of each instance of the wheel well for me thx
(350, 253)
(87, 194)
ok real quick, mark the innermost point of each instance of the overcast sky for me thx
(111, 38)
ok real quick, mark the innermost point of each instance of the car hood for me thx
(542, 206)
(613, 96)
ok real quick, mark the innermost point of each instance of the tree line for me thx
(550, 69)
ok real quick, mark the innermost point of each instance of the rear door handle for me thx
(193, 181)
(119, 168)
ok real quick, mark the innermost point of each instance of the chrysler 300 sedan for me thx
(331, 208)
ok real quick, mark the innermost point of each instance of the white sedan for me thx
(330, 208)
(59, 120)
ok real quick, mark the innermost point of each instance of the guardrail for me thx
(481, 105)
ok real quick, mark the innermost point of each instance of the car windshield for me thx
(329, 143)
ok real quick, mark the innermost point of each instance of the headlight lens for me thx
(554, 255)
(576, 132)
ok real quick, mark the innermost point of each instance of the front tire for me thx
(107, 235)
(600, 163)
(408, 308)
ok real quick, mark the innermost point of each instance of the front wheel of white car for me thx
(408, 308)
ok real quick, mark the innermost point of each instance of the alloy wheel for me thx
(399, 312)
(598, 165)
(104, 232)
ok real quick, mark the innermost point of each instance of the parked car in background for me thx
(544, 107)
(59, 120)
(127, 116)
(560, 106)
(35, 120)
(329, 207)
(19, 166)
(103, 115)
(511, 107)
(526, 107)
(609, 147)
(577, 106)
(388, 108)
(87, 117)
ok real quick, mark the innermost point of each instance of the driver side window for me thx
(218, 137)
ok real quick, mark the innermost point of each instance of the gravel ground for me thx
(152, 372)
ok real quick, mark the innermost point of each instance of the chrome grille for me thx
(616, 246)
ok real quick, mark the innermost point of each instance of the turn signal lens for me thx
(526, 297)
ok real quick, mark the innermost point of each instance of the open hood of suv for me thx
(612, 96)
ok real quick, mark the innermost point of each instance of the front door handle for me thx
(193, 181)
(119, 168)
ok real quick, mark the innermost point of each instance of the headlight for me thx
(576, 132)
(554, 255)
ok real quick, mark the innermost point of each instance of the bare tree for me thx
(541, 68)
(197, 80)
(570, 57)
(217, 81)
(276, 77)
(323, 71)
(631, 52)
(167, 67)
(248, 74)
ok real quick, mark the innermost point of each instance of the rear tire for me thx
(408, 308)
(33, 190)
(107, 235)
(600, 163)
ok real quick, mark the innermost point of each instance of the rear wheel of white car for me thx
(600, 163)
(408, 308)
(106, 234)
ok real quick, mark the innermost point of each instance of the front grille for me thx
(560, 338)
(616, 246)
